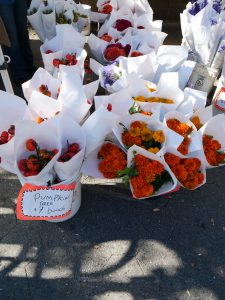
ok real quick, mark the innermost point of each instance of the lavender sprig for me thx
(110, 76)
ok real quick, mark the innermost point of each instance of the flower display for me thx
(112, 160)
(36, 161)
(184, 130)
(213, 152)
(153, 99)
(146, 176)
(186, 170)
(122, 24)
(139, 134)
(113, 51)
(69, 60)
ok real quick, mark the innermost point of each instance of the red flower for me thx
(136, 53)
(48, 52)
(107, 9)
(109, 107)
(122, 24)
(113, 51)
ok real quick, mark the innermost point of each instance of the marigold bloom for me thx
(146, 134)
(159, 136)
(171, 159)
(113, 160)
(197, 122)
(154, 150)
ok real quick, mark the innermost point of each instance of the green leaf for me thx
(161, 180)
(135, 108)
(127, 173)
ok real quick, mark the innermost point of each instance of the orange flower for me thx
(192, 164)
(113, 53)
(106, 37)
(183, 148)
(113, 160)
(136, 53)
(186, 170)
(197, 122)
(180, 128)
(171, 159)
(180, 172)
(107, 9)
(140, 188)
(212, 150)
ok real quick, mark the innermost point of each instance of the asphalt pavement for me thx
(170, 247)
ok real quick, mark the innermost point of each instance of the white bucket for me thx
(75, 204)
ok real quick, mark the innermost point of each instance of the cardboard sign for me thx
(45, 203)
(219, 102)
(202, 78)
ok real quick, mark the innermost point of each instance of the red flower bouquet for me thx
(113, 51)
(122, 24)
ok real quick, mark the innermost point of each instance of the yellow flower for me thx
(158, 136)
(154, 150)
(135, 132)
(140, 98)
(146, 134)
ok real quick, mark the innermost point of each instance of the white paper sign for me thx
(45, 203)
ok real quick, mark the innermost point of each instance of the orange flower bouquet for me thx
(190, 172)
(141, 130)
(213, 141)
(105, 161)
(186, 130)
(147, 174)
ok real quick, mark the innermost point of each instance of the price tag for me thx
(219, 102)
(45, 203)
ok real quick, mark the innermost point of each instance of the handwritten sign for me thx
(45, 203)
(219, 102)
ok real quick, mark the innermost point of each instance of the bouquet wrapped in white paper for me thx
(42, 82)
(213, 142)
(73, 141)
(202, 24)
(148, 174)
(190, 172)
(37, 148)
(12, 110)
(49, 19)
(141, 130)
(34, 16)
(105, 162)
(190, 140)
(67, 41)
(113, 78)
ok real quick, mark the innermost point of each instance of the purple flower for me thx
(217, 5)
(222, 49)
(213, 22)
(110, 76)
(197, 6)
